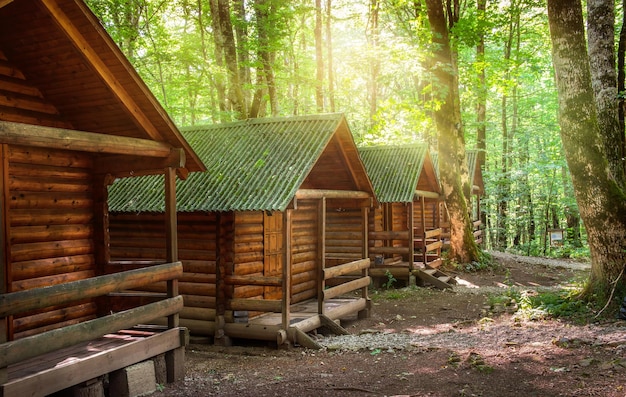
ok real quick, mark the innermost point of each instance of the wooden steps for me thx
(435, 277)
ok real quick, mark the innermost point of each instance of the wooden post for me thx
(321, 237)
(423, 205)
(4, 321)
(365, 253)
(171, 236)
(286, 300)
(411, 235)
(225, 260)
(174, 359)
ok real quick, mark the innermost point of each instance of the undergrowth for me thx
(539, 305)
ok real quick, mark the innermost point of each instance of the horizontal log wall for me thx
(344, 233)
(249, 253)
(23, 103)
(50, 234)
(140, 239)
(431, 214)
(305, 251)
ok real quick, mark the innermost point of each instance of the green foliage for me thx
(391, 280)
(533, 305)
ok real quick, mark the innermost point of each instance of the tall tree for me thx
(373, 44)
(481, 102)
(601, 201)
(601, 43)
(319, 58)
(263, 11)
(451, 140)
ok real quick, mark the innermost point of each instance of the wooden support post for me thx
(365, 272)
(286, 291)
(174, 359)
(225, 261)
(411, 235)
(423, 231)
(4, 267)
(171, 236)
(321, 237)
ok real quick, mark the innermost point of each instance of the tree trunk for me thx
(262, 11)
(601, 202)
(372, 33)
(329, 56)
(601, 43)
(220, 84)
(319, 83)
(463, 248)
(235, 92)
(243, 55)
(481, 101)
(621, 83)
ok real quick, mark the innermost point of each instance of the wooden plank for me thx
(433, 233)
(259, 305)
(346, 268)
(23, 301)
(389, 235)
(389, 250)
(254, 280)
(346, 287)
(60, 138)
(22, 349)
(303, 194)
(103, 362)
(433, 246)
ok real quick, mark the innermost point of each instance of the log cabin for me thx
(268, 235)
(473, 201)
(404, 231)
(74, 115)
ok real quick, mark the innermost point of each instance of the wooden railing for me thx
(343, 270)
(14, 303)
(430, 247)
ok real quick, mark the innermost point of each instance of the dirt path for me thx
(532, 260)
(426, 342)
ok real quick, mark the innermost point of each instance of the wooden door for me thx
(274, 250)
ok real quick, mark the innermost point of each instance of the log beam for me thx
(65, 139)
(32, 346)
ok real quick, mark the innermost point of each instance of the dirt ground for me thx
(461, 346)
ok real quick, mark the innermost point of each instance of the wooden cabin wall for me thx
(23, 103)
(249, 252)
(431, 214)
(141, 237)
(305, 250)
(344, 234)
(50, 211)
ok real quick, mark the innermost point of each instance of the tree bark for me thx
(481, 102)
(220, 85)
(319, 83)
(262, 11)
(235, 92)
(601, 43)
(451, 147)
(601, 202)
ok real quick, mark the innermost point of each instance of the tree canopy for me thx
(217, 60)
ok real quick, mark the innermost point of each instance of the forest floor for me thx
(463, 342)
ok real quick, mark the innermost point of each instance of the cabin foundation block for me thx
(92, 388)
(133, 381)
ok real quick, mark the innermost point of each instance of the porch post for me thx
(321, 237)
(174, 359)
(286, 292)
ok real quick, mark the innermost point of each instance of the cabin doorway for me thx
(274, 251)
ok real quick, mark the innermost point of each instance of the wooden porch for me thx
(60, 358)
(284, 322)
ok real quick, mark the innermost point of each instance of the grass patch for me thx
(538, 305)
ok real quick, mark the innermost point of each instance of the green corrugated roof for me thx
(256, 164)
(394, 170)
